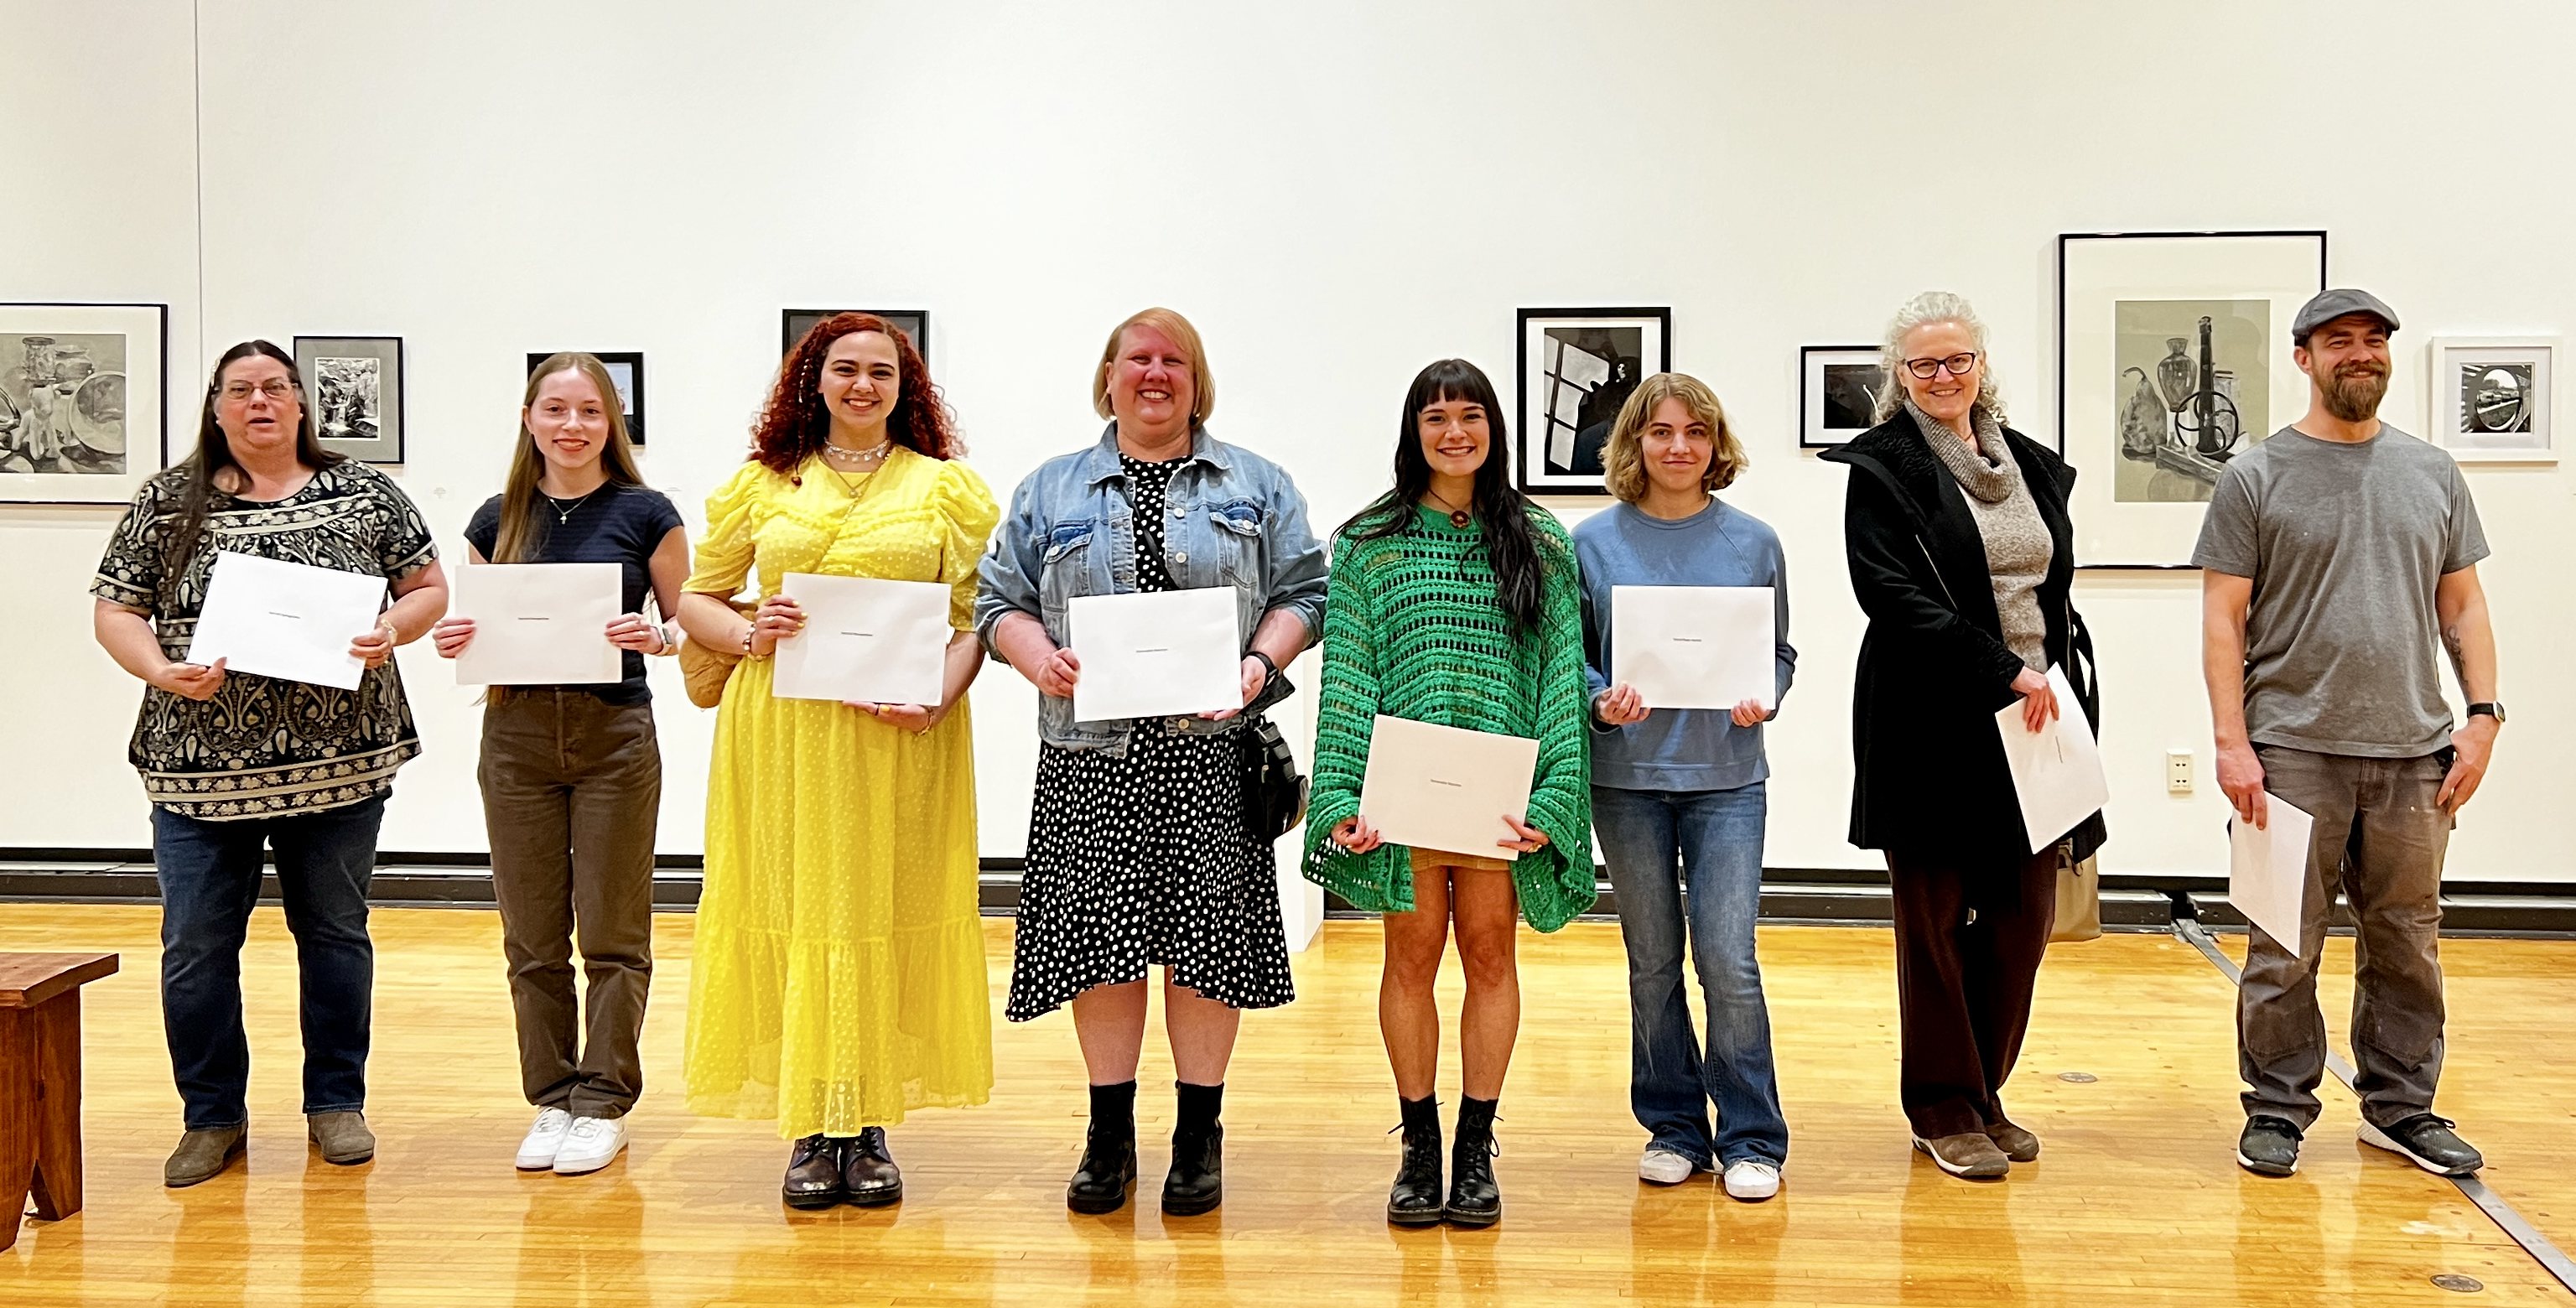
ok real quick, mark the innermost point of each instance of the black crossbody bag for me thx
(1274, 791)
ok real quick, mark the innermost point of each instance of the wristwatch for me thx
(1272, 668)
(2488, 708)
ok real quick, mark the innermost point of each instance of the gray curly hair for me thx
(1931, 307)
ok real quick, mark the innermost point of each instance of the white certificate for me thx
(291, 621)
(2267, 870)
(1442, 788)
(1156, 654)
(2056, 771)
(538, 624)
(866, 639)
(1702, 647)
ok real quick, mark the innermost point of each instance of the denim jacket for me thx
(1236, 520)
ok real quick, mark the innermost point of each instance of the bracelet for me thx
(746, 638)
(1266, 663)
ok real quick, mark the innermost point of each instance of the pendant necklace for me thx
(855, 460)
(1458, 517)
(563, 515)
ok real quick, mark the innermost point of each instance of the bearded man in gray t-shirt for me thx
(2334, 556)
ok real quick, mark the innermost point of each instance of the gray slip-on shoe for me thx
(1969, 1154)
(342, 1137)
(203, 1155)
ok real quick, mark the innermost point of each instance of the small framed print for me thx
(84, 416)
(1838, 393)
(2494, 399)
(1576, 367)
(794, 323)
(626, 368)
(353, 386)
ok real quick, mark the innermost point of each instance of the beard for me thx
(2353, 392)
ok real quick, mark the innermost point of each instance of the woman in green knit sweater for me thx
(1454, 602)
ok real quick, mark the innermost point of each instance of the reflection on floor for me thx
(2136, 1201)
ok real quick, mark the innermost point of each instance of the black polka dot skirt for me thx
(1142, 861)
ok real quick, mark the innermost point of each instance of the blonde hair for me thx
(1172, 324)
(1932, 307)
(518, 537)
(1623, 463)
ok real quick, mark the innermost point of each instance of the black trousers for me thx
(1969, 936)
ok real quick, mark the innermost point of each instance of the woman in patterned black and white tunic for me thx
(232, 761)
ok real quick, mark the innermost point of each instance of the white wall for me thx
(1335, 193)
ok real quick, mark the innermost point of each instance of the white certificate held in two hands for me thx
(2057, 770)
(2267, 870)
(291, 621)
(538, 624)
(1156, 654)
(865, 639)
(1442, 788)
(1695, 647)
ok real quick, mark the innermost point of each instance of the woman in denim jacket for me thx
(1138, 850)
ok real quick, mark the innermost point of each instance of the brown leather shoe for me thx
(203, 1155)
(813, 1174)
(343, 1137)
(868, 1173)
(2018, 1145)
(1969, 1154)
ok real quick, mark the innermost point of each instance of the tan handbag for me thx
(705, 671)
(2079, 899)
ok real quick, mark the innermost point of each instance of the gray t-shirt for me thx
(2345, 544)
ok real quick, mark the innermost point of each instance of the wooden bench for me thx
(40, 1083)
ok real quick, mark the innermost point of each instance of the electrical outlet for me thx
(2178, 771)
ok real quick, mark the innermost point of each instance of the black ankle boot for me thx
(1108, 1164)
(1474, 1199)
(814, 1174)
(868, 1173)
(1415, 1200)
(1197, 1179)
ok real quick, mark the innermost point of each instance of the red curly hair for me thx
(792, 424)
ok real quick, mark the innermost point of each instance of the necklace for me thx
(562, 514)
(1458, 517)
(843, 456)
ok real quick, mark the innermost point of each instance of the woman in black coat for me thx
(1962, 556)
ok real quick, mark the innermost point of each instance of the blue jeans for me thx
(1715, 838)
(209, 873)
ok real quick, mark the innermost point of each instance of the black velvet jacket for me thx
(1929, 774)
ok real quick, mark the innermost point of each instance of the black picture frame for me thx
(1817, 405)
(385, 445)
(794, 323)
(143, 388)
(1542, 463)
(632, 362)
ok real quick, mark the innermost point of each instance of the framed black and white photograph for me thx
(626, 368)
(1577, 366)
(84, 415)
(1838, 392)
(2173, 357)
(2494, 398)
(794, 323)
(354, 387)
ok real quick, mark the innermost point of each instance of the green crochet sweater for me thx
(1414, 629)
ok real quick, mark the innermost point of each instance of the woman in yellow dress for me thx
(839, 974)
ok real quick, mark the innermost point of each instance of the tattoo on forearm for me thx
(2459, 656)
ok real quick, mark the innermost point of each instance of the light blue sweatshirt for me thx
(1677, 749)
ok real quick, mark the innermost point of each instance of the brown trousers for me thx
(1969, 936)
(572, 787)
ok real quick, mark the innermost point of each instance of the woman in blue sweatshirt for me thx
(1679, 795)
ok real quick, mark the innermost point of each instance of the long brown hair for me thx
(792, 425)
(195, 475)
(521, 536)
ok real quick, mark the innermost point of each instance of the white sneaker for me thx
(537, 1152)
(593, 1143)
(1752, 1180)
(1662, 1166)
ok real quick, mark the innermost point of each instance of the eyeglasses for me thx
(275, 388)
(1957, 365)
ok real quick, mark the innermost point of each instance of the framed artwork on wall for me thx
(626, 368)
(353, 386)
(1838, 391)
(1576, 367)
(2494, 399)
(2173, 357)
(794, 323)
(84, 413)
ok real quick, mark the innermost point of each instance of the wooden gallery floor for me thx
(2137, 1200)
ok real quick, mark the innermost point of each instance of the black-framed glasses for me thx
(1957, 365)
(275, 388)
